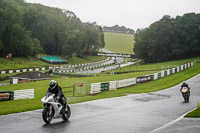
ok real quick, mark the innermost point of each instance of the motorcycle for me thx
(53, 109)
(185, 93)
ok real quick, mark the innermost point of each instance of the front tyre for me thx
(46, 115)
(67, 114)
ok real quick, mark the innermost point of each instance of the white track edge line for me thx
(171, 123)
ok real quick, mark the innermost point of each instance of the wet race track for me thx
(135, 113)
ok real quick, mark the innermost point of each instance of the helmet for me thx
(52, 84)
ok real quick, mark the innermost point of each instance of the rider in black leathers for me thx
(57, 90)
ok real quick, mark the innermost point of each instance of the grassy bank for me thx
(119, 43)
(40, 87)
(33, 62)
(154, 67)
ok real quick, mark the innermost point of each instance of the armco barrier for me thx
(23, 94)
(143, 79)
(6, 95)
(95, 88)
(104, 86)
(126, 82)
(23, 70)
(113, 85)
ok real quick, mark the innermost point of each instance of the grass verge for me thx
(33, 62)
(195, 113)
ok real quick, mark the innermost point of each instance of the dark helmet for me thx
(52, 84)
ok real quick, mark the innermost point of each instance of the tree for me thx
(169, 39)
(13, 36)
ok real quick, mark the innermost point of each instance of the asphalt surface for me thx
(135, 113)
(99, 70)
(185, 125)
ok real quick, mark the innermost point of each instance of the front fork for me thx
(50, 108)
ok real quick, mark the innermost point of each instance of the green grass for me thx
(119, 43)
(87, 59)
(7, 107)
(18, 63)
(155, 66)
(33, 62)
(195, 113)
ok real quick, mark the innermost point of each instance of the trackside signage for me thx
(110, 54)
(113, 85)
(7, 95)
(4, 96)
(125, 82)
(116, 55)
(143, 79)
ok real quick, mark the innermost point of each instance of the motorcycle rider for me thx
(184, 84)
(54, 88)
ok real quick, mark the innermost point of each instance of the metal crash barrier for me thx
(18, 94)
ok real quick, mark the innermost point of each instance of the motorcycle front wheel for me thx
(46, 115)
(67, 114)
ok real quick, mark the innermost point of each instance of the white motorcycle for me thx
(53, 109)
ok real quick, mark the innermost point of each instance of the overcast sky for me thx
(132, 14)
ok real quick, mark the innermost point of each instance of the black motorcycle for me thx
(185, 93)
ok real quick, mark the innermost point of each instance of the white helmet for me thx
(52, 84)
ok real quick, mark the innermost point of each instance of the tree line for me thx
(169, 39)
(29, 29)
(118, 29)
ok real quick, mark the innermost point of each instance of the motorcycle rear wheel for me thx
(186, 98)
(67, 114)
(47, 117)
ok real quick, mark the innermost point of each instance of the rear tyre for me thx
(185, 99)
(188, 97)
(67, 114)
(46, 115)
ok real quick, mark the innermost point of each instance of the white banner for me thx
(23, 94)
(112, 85)
(126, 82)
(95, 88)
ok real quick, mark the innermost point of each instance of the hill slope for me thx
(119, 43)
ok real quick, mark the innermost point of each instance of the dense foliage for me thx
(28, 29)
(169, 38)
(118, 29)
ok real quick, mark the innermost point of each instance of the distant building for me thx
(28, 77)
